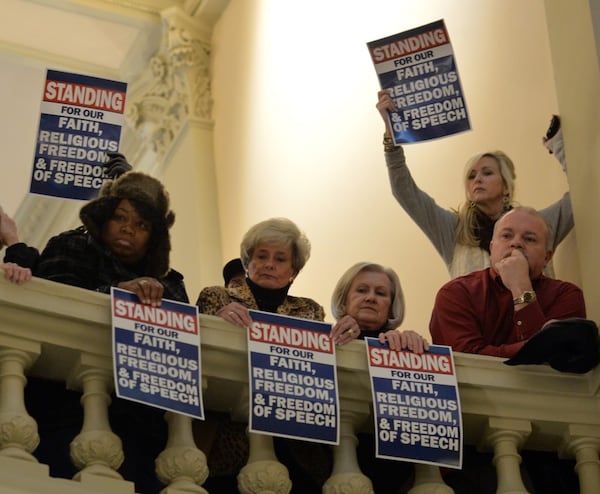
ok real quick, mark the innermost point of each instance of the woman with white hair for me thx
(368, 301)
(368, 296)
(273, 252)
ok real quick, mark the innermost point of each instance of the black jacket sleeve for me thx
(23, 255)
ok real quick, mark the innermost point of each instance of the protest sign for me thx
(293, 382)
(80, 122)
(156, 353)
(416, 404)
(418, 69)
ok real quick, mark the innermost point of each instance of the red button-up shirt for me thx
(475, 313)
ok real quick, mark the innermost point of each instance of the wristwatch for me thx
(388, 144)
(525, 298)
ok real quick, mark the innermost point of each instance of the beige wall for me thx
(576, 70)
(297, 133)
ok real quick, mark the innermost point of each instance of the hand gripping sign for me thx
(416, 404)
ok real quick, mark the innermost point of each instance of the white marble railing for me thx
(63, 333)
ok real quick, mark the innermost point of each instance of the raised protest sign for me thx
(156, 353)
(418, 69)
(416, 405)
(80, 122)
(293, 383)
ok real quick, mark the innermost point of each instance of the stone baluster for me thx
(346, 476)
(263, 474)
(182, 466)
(96, 450)
(428, 479)
(18, 430)
(583, 442)
(506, 436)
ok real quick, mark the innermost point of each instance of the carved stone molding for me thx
(176, 86)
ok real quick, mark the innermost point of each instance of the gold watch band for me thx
(388, 143)
(525, 298)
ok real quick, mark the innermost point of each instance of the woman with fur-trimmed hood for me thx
(124, 242)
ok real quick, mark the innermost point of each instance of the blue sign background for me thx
(438, 403)
(320, 371)
(130, 384)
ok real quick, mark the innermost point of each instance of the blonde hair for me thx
(279, 231)
(340, 292)
(465, 228)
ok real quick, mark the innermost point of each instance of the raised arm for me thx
(437, 223)
(559, 217)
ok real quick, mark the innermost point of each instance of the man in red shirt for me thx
(496, 310)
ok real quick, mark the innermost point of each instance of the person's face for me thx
(236, 280)
(485, 183)
(526, 232)
(126, 233)
(271, 265)
(369, 299)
